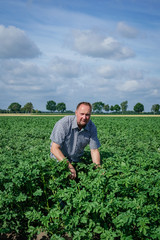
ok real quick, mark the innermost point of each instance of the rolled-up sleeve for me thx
(58, 133)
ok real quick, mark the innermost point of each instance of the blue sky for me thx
(72, 51)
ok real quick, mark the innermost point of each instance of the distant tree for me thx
(106, 107)
(116, 108)
(51, 106)
(155, 108)
(61, 107)
(124, 106)
(112, 108)
(98, 106)
(139, 108)
(28, 107)
(14, 107)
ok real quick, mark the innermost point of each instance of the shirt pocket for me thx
(84, 141)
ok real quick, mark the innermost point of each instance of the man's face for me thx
(83, 114)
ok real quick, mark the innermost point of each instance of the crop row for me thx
(118, 201)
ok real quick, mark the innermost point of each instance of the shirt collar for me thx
(74, 124)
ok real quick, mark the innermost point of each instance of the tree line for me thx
(51, 106)
(97, 107)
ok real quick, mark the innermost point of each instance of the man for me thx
(72, 134)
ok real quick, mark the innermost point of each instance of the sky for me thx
(76, 50)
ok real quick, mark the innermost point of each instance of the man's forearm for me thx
(59, 155)
(55, 150)
(95, 156)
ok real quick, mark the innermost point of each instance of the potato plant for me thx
(119, 201)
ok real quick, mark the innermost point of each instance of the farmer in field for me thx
(72, 134)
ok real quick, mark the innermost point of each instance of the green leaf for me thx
(38, 192)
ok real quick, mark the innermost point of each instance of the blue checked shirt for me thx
(72, 141)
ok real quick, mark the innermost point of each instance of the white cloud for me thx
(128, 86)
(31, 78)
(95, 45)
(127, 31)
(17, 75)
(65, 68)
(155, 92)
(16, 44)
(107, 71)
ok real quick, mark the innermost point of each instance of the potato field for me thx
(120, 200)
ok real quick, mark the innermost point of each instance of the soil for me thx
(41, 236)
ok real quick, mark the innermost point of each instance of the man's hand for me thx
(73, 171)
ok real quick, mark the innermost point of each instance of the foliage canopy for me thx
(14, 107)
(139, 108)
(118, 201)
(51, 106)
